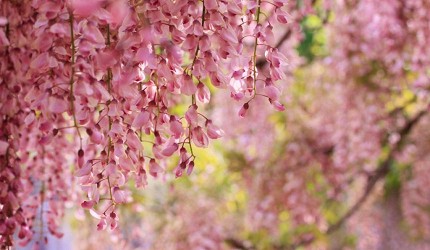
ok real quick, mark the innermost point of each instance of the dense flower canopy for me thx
(98, 98)
(93, 84)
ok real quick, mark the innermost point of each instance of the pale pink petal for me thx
(178, 172)
(95, 136)
(170, 149)
(93, 34)
(41, 62)
(203, 93)
(95, 194)
(199, 137)
(3, 21)
(196, 28)
(190, 168)
(133, 141)
(234, 8)
(141, 119)
(281, 16)
(188, 87)
(184, 155)
(229, 35)
(154, 168)
(191, 115)
(106, 59)
(190, 42)
(204, 43)
(119, 149)
(113, 224)
(176, 127)
(94, 214)
(3, 147)
(210, 64)
(88, 204)
(102, 224)
(85, 170)
(13, 201)
(143, 54)
(85, 8)
(110, 169)
(278, 106)
(218, 80)
(60, 29)
(57, 105)
(125, 163)
(119, 9)
(272, 92)
(211, 4)
(213, 131)
(4, 41)
(118, 195)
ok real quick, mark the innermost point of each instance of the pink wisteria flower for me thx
(94, 84)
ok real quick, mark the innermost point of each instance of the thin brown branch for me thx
(380, 173)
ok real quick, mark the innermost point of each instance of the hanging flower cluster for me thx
(93, 84)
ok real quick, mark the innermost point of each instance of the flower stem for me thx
(72, 80)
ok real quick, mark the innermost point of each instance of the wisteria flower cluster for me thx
(88, 89)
